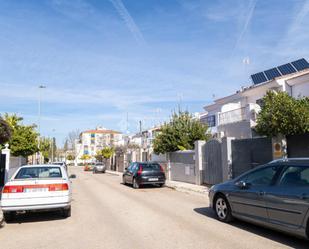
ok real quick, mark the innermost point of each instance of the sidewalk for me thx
(179, 186)
(187, 187)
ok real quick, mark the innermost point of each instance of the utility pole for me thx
(39, 121)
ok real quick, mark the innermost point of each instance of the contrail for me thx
(247, 22)
(125, 15)
(300, 17)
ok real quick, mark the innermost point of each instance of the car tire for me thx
(161, 185)
(66, 212)
(222, 209)
(9, 216)
(135, 183)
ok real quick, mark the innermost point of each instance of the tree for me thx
(71, 138)
(70, 157)
(23, 141)
(105, 153)
(5, 131)
(45, 148)
(283, 114)
(85, 157)
(180, 133)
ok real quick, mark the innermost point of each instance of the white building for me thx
(235, 115)
(92, 141)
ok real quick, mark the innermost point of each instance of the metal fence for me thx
(183, 166)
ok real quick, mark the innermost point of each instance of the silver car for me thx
(275, 195)
(99, 168)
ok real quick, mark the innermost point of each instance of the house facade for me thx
(235, 115)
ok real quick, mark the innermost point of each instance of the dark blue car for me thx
(275, 195)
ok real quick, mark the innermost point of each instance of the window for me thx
(39, 172)
(295, 177)
(150, 166)
(262, 176)
(209, 120)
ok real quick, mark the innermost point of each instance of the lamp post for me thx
(39, 120)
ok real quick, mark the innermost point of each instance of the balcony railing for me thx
(233, 116)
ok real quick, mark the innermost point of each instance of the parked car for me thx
(275, 195)
(1, 217)
(88, 167)
(99, 168)
(61, 164)
(143, 173)
(36, 188)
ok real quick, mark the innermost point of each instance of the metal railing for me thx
(233, 116)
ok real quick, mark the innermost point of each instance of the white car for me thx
(1, 217)
(37, 187)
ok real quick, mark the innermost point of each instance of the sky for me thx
(114, 63)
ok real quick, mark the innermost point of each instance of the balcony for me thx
(233, 116)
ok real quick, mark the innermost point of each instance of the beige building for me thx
(92, 141)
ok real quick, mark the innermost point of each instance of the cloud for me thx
(127, 18)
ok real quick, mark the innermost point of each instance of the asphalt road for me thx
(107, 214)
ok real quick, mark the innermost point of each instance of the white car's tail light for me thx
(22, 188)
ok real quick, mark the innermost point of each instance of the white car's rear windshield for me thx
(38, 172)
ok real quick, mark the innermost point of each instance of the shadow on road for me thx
(282, 238)
(36, 217)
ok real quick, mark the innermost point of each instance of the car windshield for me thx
(38, 172)
(150, 166)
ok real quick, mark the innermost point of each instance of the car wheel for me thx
(161, 185)
(66, 212)
(223, 209)
(135, 184)
(9, 216)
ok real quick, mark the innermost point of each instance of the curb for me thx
(187, 189)
(113, 172)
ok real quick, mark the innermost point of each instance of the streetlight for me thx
(39, 120)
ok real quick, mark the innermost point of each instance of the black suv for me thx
(142, 173)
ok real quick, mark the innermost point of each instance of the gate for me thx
(2, 169)
(249, 153)
(212, 162)
(298, 145)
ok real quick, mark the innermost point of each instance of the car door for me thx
(127, 173)
(249, 202)
(288, 201)
(130, 173)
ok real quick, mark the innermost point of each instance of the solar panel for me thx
(272, 73)
(286, 69)
(259, 78)
(300, 64)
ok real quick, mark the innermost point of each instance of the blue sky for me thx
(103, 59)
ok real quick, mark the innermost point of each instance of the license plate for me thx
(153, 179)
(35, 190)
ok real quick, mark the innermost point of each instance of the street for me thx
(107, 214)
